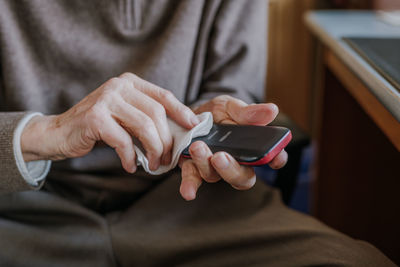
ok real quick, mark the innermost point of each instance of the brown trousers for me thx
(222, 227)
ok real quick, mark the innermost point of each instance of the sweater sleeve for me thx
(236, 54)
(16, 175)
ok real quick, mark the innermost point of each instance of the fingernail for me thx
(274, 107)
(190, 194)
(199, 151)
(255, 116)
(260, 112)
(130, 167)
(133, 169)
(154, 164)
(166, 159)
(195, 120)
(221, 161)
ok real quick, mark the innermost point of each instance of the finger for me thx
(280, 160)
(240, 177)
(181, 161)
(116, 137)
(141, 126)
(191, 180)
(180, 113)
(201, 156)
(156, 112)
(255, 114)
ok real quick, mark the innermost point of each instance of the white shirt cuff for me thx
(33, 172)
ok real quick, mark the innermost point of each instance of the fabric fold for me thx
(181, 137)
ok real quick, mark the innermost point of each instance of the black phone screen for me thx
(245, 143)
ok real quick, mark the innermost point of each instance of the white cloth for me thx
(33, 172)
(182, 138)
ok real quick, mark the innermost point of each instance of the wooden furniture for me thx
(289, 59)
(386, 4)
(357, 131)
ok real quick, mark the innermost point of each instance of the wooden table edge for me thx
(370, 104)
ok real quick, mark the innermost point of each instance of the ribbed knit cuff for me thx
(12, 178)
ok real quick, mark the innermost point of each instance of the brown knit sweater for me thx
(54, 53)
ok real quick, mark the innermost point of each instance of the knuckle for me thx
(182, 111)
(158, 111)
(106, 100)
(113, 83)
(219, 104)
(112, 87)
(128, 75)
(147, 124)
(189, 169)
(116, 85)
(221, 99)
(150, 132)
(95, 115)
(122, 144)
(108, 94)
(165, 94)
(132, 81)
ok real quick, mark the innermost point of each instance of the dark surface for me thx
(293, 180)
(287, 177)
(357, 186)
(382, 53)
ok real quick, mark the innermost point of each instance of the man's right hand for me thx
(119, 109)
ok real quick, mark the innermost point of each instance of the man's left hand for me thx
(213, 167)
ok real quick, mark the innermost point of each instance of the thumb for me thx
(254, 114)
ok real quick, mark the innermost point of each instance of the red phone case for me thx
(267, 157)
(271, 154)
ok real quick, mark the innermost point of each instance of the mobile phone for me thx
(248, 144)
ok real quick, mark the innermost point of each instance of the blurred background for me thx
(369, 211)
(291, 48)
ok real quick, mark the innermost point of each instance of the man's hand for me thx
(119, 109)
(212, 167)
